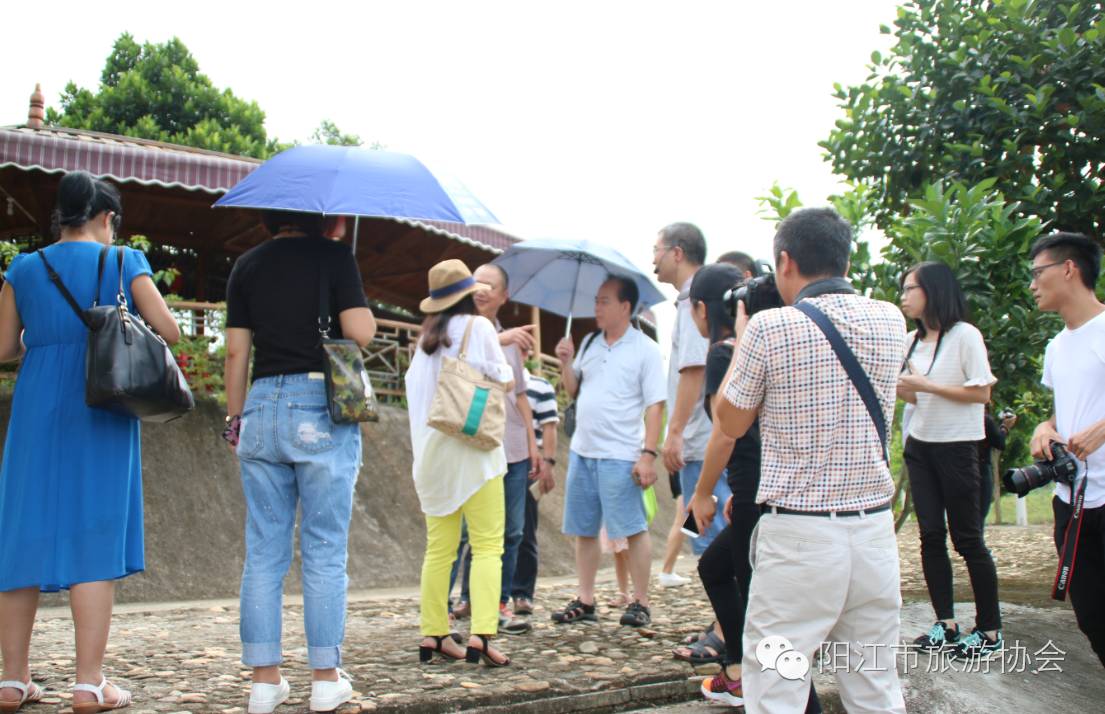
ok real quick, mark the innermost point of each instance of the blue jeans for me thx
(688, 479)
(292, 455)
(515, 484)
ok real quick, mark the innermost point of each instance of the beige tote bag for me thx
(468, 405)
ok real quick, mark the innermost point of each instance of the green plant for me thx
(1009, 90)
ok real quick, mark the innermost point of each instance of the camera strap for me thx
(1070, 543)
(852, 367)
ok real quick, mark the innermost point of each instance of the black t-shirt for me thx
(743, 468)
(274, 291)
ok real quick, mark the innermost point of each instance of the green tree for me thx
(1009, 90)
(857, 206)
(329, 133)
(156, 91)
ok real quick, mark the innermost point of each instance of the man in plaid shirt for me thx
(825, 557)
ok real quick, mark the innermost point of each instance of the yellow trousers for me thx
(485, 514)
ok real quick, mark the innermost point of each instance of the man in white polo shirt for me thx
(619, 381)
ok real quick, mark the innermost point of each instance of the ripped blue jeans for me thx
(292, 455)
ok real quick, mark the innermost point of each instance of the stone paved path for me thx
(184, 658)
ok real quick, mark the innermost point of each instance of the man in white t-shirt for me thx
(1065, 268)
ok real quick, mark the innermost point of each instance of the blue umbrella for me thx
(562, 276)
(350, 181)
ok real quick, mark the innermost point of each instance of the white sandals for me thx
(123, 699)
(29, 694)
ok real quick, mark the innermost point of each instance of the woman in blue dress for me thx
(71, 480)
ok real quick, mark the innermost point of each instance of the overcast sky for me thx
(603, 120)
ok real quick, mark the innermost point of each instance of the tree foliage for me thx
(156, 91)
(329, 133)
(985, 239)
(1008, 90)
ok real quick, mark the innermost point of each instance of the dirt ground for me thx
(1024, 555)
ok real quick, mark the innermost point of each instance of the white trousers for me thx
(831, 580)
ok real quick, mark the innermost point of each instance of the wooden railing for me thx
(386, 357)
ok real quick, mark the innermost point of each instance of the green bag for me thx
(649, 497)
(349, 394)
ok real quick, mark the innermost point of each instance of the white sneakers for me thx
(328, 696)
(672, 580)
(264, 698)
(325, 696)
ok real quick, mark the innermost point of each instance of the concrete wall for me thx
(195, 512)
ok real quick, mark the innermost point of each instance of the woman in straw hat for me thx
(455, 480)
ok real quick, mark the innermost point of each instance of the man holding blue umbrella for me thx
(618, 381)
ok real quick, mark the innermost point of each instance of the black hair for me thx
(744, 262)
(709, 286)
(627, 290)
(435, 328)
(310, 223)
(1075, 247)
(818, 240)
(945, 304)
(502, 273)
(688, 237)
(82, 197)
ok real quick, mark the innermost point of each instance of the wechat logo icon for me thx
(778, 653)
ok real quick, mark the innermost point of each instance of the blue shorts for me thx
(602, 490)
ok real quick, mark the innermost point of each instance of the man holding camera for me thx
(1065, 268)
(821, 376)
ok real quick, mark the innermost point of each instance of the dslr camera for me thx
(1062, 468)
(756, 293)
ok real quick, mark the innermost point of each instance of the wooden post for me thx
(199, 319)
(535, 318)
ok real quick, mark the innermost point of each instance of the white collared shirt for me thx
(620, 381)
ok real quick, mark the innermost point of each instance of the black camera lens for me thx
(1062, 468)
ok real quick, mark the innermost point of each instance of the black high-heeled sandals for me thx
(475, 654)
(426, 654)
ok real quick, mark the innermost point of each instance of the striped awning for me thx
(121, 159)
(126, 160)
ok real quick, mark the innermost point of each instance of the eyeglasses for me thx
(660, 249)
(907, 288)
(1039, 269)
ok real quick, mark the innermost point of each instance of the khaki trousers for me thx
(832, 580)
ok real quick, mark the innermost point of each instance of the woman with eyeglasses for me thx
(71, 481)
(947, 377)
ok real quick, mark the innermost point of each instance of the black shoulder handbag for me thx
(570, 412)
(129, 369)
(349, 394)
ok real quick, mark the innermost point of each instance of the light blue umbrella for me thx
(562, 276)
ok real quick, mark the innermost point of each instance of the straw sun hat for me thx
(450, 282)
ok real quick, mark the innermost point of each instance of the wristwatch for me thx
(550, 461)
(654, 452)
